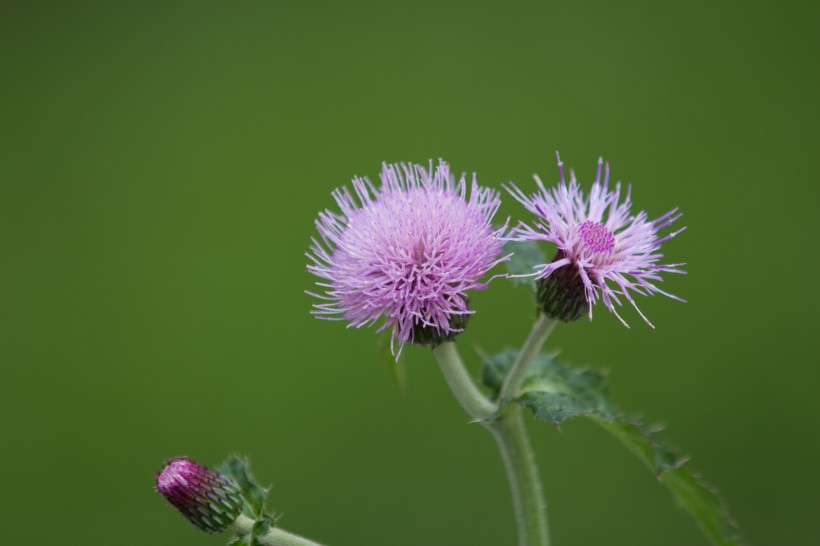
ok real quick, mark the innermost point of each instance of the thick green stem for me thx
(275, 537)
(511, 435)
(522, 473)
(508, 430)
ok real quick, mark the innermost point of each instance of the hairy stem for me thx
(275, 537)
(471, 399)
(508, 431)
(511, 435)
(522, 474)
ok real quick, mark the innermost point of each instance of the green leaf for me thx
(525, 256)
(643, 441)
(244, 540)
(555, 392)
(237, 468)
(703, 502)
(552, 392)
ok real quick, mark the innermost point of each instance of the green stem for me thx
(511, 435)
(508, 430)
(471, 399)
(275, 537)
(522, 473)
(541, 330)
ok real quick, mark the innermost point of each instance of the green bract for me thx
(255, 496)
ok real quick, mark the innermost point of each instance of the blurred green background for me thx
(161, 165)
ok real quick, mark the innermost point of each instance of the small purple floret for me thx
(406, 253)
(596, 237)
(613, 252)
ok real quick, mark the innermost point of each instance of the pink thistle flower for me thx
(604, 251)
(407, 252)
(207, 499)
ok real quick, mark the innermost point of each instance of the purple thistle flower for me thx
(406, 253)
(207, 499)
(604, 251)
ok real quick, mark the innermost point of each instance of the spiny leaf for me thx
(552, 392)
(525, 256)
(703, 502)
(237, 468)
(555, 392)
(642, 440)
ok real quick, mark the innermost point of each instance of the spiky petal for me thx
(406, 253)
(603, 250)
(207, 499)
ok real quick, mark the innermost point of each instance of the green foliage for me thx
(237, 468)
(255, 496)
(526, 255)
(555, 392)
(261, 527)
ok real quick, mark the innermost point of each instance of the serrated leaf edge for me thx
(717, 525)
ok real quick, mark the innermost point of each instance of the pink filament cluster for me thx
(182, 479)
(596, 237)
(406, 253)
(615, 253)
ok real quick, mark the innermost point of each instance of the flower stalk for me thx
(508, 429)
(522, 474)
(539, 334)
(274, 537)
(510, 433)
(464, 388)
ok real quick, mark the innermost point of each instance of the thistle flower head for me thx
(207, 499)
(406, 253)
(603, 250)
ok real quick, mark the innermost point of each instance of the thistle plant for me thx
(405, 256)
(598, 242)
(225, 500)
(406, 253)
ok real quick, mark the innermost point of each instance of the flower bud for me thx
(561, 295)
(207, 499)
(433, 336)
